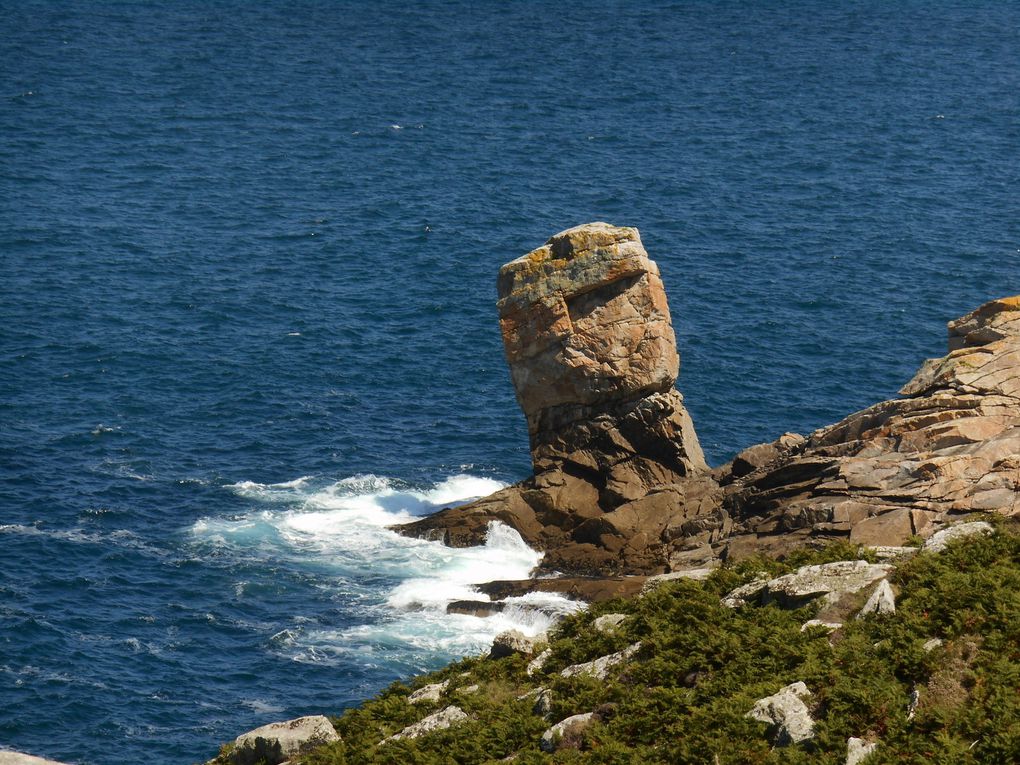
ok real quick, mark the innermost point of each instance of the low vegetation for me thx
(684, 697)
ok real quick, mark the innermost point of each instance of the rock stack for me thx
(620, 483)
(593, 358)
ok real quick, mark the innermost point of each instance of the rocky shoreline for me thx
(624, 506)
(622, 501)
(620, 485)
(840, 658)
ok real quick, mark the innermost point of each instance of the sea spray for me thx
(338, 533)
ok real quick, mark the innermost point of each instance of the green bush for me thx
(684, 697)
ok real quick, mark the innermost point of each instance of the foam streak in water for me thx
(339, 533)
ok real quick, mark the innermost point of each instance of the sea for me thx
(248, 254)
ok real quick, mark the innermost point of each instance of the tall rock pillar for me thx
(593, 358)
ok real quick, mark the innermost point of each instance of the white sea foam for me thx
(341, 531)
(261, 707)
(117, 538)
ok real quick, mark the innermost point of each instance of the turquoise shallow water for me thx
(247, 268)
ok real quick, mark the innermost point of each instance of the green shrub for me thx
(684, 697)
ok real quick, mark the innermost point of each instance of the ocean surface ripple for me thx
(247, 265)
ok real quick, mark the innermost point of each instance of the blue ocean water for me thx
(247, 266)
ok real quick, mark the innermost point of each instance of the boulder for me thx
(941, 539)
(536, 664)
(599, 668)
(608, 623)
(280, 741)
(428, 693)
(17, 758)
(881, 601)
(566, 732)
(830, 626)
(543, 703)
(858, 750)
(441, 720)
(831, 580)
(511, 642)
(786, 713)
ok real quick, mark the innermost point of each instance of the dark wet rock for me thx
(587, 589)
(475, 607)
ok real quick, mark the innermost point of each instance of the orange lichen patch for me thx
(1011, 303)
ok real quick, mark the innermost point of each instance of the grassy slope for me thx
(684, 697)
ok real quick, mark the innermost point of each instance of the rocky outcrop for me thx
(17, 758)
(949, 446)
(278, 742)
(441, 720)
(787, 715)
(620, 483)
(593, 358)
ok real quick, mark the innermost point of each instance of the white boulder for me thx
(938, 541)
(786, 713)
(278, 742)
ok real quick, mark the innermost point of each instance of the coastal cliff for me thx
(620, 483)
(849, 596)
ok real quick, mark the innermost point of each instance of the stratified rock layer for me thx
(620, 484)
(949, 446)
(593, 358)
(585, 321)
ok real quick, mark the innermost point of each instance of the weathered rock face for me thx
(593, 358)
(950, 445)
(277, 742)
(585, 321)
(786, 713)
(620, 485)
